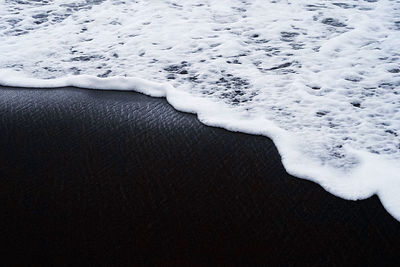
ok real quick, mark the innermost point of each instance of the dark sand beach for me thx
(107, 178)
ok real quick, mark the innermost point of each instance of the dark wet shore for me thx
(110, 178)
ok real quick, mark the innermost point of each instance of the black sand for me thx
(115, 177)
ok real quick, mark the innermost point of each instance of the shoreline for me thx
(121, 173)
(359, 183)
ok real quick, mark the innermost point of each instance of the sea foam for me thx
(321, 78)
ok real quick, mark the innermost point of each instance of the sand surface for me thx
(118, 177)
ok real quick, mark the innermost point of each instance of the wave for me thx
(321, 78)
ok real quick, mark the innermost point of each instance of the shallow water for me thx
(321, 78)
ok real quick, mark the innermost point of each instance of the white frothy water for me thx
(321, 78)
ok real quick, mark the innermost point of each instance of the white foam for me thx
(13, 78)
(321, 78)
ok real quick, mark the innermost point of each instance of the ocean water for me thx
(319, 77)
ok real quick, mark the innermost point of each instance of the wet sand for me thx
(108, 177)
